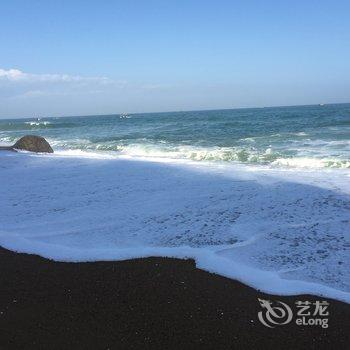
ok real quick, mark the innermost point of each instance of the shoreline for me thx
(121, 209)
(154, 302)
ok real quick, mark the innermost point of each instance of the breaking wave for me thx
(249, 155)
(305, 137)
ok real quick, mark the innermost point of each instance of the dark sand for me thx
(150, 303)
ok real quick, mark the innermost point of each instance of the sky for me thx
(103, 57)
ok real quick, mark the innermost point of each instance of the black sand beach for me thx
(152, 303)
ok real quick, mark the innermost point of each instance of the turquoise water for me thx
(311, 136)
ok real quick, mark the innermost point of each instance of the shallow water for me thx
(282, 231)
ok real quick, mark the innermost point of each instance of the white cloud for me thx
(16, 75)
(156, 86)
(23, 93)
(46, 93)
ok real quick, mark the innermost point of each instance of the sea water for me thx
(307, 136)
(259, 195)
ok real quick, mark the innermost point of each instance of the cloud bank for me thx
(16, 75)
(24, 94)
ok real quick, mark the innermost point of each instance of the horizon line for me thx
(179, 111)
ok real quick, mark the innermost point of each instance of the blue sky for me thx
(100, 57)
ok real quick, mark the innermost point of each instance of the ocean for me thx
(307, 136)
(258, 195)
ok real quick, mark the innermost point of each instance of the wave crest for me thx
(248, 155)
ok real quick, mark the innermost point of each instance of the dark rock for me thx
(33, 143)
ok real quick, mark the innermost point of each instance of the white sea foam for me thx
(73, 153)
(226, 154)
(38, 123)
(313, 163)
(301, 133)
(281, 231)
(312, 154)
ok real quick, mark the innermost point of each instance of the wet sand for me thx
(153, 303)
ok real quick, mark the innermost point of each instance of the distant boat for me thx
(321, 104)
